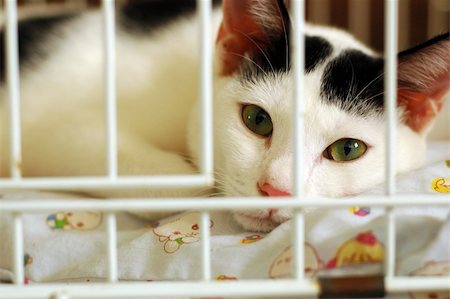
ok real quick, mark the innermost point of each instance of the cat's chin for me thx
(257, 222)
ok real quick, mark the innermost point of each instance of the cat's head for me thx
(345, 123)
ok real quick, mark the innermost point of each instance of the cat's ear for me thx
(248, 26)
(423, 82)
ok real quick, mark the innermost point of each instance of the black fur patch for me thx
(144, 16)
(32, 35)
(277, 59)
(317, 49)
(354, 81)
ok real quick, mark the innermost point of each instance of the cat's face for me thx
(246, 161)
(344, 124)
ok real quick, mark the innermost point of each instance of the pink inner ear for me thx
(420, 108)
(423, 106)
(239, 34)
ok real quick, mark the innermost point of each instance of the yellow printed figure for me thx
(251, 239)
(433, 268)
(282, 266)
(364, 249)
(184, 230)
(225, 277)
(441, 185)
(360, 211)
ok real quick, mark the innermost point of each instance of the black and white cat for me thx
(157, 92)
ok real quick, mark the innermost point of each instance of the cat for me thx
(157, 90)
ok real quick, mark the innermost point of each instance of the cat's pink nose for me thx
(269, 190)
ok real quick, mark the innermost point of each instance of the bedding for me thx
(66, 246)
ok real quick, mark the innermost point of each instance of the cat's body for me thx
(157, 92)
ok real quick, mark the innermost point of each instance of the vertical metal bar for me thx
(18, 249)
(299, 84)
(206, 251)
(204, 15)
(110, 86)
(299, 114)
(390, 244)
(390, 86)
(390, 104)
(111, 228)
(12, 60)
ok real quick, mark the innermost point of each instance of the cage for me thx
(387, 26)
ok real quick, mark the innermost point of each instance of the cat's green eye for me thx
(345, 149)
(257, 120)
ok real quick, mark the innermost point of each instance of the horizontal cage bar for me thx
(290, 287)
(66, 183)
(215, 204)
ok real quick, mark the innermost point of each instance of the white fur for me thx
(157, 80)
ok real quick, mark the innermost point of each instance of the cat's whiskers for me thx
(352, 89)
(221, 183)
(218, 182)
(368, 85)
(374, 96)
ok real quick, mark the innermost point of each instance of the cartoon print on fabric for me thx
(74, 220)
(225, 277)
(153, 224)
(27, 260)
(360, 211)
(432, 268)
(184, 230)
(441, 185)
(281, 267)
(363, 249)
(252, 238)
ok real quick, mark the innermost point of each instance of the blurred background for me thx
(419, 20)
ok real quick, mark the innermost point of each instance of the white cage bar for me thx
(218, 204)
(289, 287)
(390, 107)
(237, 289)
(111, 233)
(390, 89)
(111, 129)
(204, 8)
(18, 248)
(67, 183)
(298, 12)
(12, 57)
(110, 87)
(205, 239)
